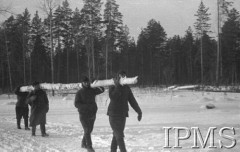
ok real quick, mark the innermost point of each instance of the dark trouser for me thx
(22, 112)
(87, 124)
(42, 128)
(118, 124)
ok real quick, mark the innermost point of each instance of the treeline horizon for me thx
(70, 44)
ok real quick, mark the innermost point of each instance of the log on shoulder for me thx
(75, 86)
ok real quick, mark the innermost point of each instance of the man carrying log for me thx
(87, 108)
(39, 107)
(21, 108)
(120, 95)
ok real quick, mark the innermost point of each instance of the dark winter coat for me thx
(85, 101)
(39, 107)
(120, 96)
(21, 98)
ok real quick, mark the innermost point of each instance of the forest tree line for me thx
(69, 44)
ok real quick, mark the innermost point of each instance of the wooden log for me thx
(76, 86)
(189, 87)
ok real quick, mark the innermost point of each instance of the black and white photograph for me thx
(119, 75)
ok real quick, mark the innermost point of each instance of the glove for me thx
(139, 117)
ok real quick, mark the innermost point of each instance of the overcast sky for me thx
(174, 15)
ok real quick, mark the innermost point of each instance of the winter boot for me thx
(19, 123)
(84, 144)
(26, 124)
(33, 130)
(90, 149)
(43, 130)
(45, 135)
(26, 128)
(114, 145)
(121, 144)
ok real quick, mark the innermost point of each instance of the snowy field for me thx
(160, 109)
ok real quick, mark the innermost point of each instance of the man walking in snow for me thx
(120, 96)
(21, 108)
(39, 107)
(87, 108)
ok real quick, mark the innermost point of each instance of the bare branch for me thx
(4, 9)
(48, 5)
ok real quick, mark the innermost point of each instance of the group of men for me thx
(39, 103)
(120, 95)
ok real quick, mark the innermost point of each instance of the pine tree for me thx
(58, 44)
(230, 45)
(12, 56)
(41, 62)
(151, 42)
(76, 24)
(202, 27)
(66, 32)
(91, 16)
(142, 46)
(127, 49)
(224, 6)
(3, 59)
(37, 29)
(178, 57)
(188, 42)
(48, 7)
(113, 27)
(24, 24)
(223, 10)
(123, 46)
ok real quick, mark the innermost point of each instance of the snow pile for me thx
(178, 96)
(206, 99)
(7, 96)
(68, 98)
(231, 99)
(4, 96)
(204, 88)
(222, 88)
(227, 98)
(10, 103)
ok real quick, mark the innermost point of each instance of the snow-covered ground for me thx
(160, 109)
